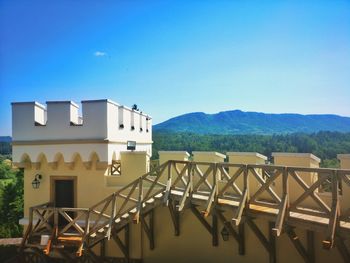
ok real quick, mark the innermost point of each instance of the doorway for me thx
(63, 194)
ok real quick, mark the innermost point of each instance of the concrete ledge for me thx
(247, 154)
(298, 155)
(174, 152)
(210, 153)
(343, 156)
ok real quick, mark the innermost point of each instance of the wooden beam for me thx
(149, 227)
(184, 196)
(272, 241)
(242, 203)
(214, 230)
(263, 240)
(175, 217)
(343, 250)
(211, 199)
(304, 253)
(241, 241)
(334, 214)
(277, 229)
(269, 244)
(103, 248)
(124, 247)
(201, 218)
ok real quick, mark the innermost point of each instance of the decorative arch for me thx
(25, 161)
(75, 158)
(57, 160)
(40, 159)
(94, 157)
(58, 157)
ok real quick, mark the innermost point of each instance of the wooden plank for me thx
(121, 245)
(203, 177)
(343, 250)
(185, 195)
(214, 230)
(211, 199)
(228, 226)
(281, 216)
(231, 181)
(333, 221)
(298, 245)
(263, 240)
(242, 204)
(265, 186)
(241, 239)
(139, 204)
(148, 228)
(127, 198)
(272, 241)
(201, 218)
(155, 181)
(309, 192)
(310, 245)
(175, 217)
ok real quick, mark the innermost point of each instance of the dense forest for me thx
(325, 145)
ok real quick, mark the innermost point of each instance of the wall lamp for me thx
(225, 234)
(36, 181)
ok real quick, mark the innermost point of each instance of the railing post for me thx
(113, 214)
(55, 217)
(168, 185)
(285, 187)
(87, 227)
(190, 178)
(139, 205)
(334, 213)
(246, 182)
(215, 180)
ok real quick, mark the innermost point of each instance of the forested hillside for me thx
(240, 122)
(325, 145)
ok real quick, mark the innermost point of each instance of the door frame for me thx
(53, 179)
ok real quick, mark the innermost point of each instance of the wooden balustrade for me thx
(216, 184)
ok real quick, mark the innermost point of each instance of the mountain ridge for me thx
(241, 122)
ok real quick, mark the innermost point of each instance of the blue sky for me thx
(174, 57)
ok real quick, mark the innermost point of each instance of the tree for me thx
(11, 205)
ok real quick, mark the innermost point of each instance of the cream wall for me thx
(246, 158)
(299, 160)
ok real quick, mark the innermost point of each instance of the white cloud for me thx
(100, 54)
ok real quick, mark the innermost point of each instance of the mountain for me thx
(5, 139)
(240, 122)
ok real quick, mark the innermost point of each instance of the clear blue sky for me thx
(174, 57)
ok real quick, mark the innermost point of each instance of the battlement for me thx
(60, 120)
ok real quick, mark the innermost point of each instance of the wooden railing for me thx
(244, 187)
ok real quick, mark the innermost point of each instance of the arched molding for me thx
(40, 160)
(74, 160)
(57, 159)
(25, 161)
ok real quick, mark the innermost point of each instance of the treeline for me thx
(11, 199)
(325, 145)
(5, 148)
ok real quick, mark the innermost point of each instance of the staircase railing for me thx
(241, 186)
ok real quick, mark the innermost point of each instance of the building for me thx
(90, 194)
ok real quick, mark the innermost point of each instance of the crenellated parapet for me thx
(60, 127)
